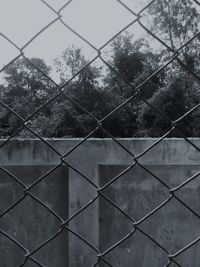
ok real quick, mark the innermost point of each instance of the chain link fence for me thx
(24, 124)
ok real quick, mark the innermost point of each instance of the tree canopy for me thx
(87, 97)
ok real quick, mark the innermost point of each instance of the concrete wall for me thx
(66, 191)
(29, 222)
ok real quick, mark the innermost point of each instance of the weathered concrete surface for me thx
(29, 222)
(175, 158)
(137, 193)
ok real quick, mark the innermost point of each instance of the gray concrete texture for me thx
(65, 191)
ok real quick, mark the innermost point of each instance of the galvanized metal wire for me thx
(27, 190)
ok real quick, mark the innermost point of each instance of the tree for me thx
(173, 100)
(25, 89)
(71, 62)
(87, 90)
(175, 22)
(134, 61)
(69, 119)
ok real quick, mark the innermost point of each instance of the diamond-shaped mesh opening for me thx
(175, 232)
(24, 26)
(96, 30)
(57, 38)
(21, 225)
(131, 253)
(139, 191)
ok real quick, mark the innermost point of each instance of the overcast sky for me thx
(96, 20)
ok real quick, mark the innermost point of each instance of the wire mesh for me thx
(24, 124)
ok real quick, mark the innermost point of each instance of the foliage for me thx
(25, 89)
(175, 22)
(173, 91)
(173, 100)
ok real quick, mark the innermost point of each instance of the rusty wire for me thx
(136, 225)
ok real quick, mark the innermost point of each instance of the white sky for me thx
(96, 20)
